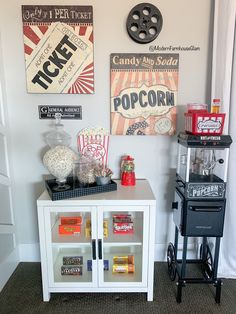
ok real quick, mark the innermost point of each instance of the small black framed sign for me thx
(67, 112)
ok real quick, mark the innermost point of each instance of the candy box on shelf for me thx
(105, 228)
(122, 218)
(88, 228)
(105, 264)
(69, 220)
(123, 268)
(123, 259)
(203, 123)
(123, 224)
(69, 229)
(72, 260)
(72, 270)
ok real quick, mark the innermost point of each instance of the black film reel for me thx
(144, 23)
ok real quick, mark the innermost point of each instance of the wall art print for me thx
(58, 47)
(144, 93)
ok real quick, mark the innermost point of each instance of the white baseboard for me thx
(29, 252)
(7, 267)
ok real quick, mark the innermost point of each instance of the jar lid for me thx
(58, 136)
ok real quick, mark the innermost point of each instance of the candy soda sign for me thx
(144, 93)
(58, 46)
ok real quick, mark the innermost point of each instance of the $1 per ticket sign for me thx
(58, 46)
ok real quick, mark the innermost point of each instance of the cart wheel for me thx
(206, 257)
(171, 261)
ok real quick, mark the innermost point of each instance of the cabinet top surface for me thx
(138, 193)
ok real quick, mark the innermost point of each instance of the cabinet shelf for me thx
(117, 244)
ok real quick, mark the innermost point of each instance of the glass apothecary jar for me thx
(59, 159)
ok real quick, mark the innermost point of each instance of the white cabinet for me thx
(95, 245)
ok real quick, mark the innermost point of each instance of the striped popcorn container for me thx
(95, 146)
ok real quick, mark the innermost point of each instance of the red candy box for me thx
(123, 224)
(199, 121)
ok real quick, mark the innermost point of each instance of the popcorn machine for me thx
(199, 205)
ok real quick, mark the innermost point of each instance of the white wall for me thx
(186, 22)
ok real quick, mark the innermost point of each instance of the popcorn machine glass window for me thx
(201, 159)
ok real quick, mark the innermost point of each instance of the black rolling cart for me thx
(199, 206)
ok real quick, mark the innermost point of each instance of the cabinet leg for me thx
(46, 296)
(150, 295)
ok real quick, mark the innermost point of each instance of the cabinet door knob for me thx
(94, 249)
(99, 248)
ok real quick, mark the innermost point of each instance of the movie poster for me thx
(58, 47)
(144, 93)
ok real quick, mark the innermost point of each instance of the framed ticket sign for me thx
(144, 93)
(58, 47)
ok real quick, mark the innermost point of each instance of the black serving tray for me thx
(76, 190)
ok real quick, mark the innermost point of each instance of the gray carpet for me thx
(23, 295)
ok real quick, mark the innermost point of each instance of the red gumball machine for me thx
(127, 171)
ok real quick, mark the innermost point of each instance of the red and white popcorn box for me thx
(200, 123)
(94, 142)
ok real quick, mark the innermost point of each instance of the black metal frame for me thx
(180, 267)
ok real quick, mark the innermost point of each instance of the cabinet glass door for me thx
(123, 245)
(71, 239)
